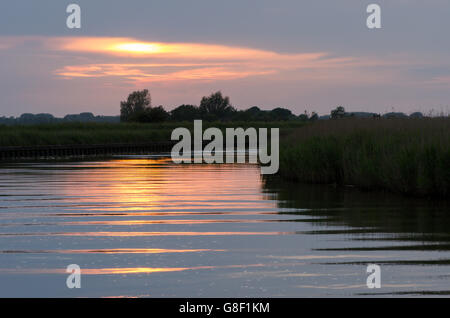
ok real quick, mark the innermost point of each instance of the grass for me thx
(80, 133)
(103, 133)
(409, 156)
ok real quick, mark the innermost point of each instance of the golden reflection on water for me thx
(137, 184)
(198, 217)
(142, 222)
(149, 189)
(122, 270)
(114, 234)
(114, 251)
(138, 234)
(128, 214)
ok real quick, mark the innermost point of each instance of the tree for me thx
(314, 116)
(304, 116)
(135, 105)
(156, 115)
(280, 114)
(339, 112)
(185, 113)
(416, 115)
(215, 107)
(254, 110)
(254, 113)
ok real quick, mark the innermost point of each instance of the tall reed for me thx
(410, 156)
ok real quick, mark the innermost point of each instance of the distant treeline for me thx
(30, 119)
(137, 108)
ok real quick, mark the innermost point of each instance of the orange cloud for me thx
(138, 49)
(166, 62)
(155, 73)
(140, 62)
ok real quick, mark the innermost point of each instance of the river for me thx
(146, 227)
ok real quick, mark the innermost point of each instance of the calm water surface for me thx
(148, 228)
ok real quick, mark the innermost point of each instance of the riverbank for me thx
(408, 156)
(113, 133)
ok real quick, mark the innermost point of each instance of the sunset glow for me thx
(139, 47)
(265, 55)
(179, 62)
(130, 61)
(127, 46)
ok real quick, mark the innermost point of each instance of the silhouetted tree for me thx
(254, 111)
(36, 118)
(339, 112)
(156, 115)
(185, 113)
(135, 105)
(256, 114)
(416, 115)
(216, 107)
(250, 114)
(314, 116)
(281, 114)
(304, 116)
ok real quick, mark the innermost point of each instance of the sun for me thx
(138, 47)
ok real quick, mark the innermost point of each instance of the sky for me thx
(303, 55)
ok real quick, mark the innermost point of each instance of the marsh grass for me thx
(110, 133)
(410, 156)
(80, 133)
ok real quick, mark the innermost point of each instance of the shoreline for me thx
(406, 156)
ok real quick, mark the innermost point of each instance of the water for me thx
(145, 227)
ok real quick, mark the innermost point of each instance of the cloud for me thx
(138, 62)
(79, 72)
(168, 62)
(130, 47)
(158, 73)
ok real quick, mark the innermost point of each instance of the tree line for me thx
(215, 107)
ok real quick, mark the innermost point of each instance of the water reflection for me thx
(385, 216)
(110, 251)
(134, 233)
(402, 232)
(123, 270)
(210, 230)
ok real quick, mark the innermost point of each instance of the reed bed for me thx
(409, 156)
(110, 133)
